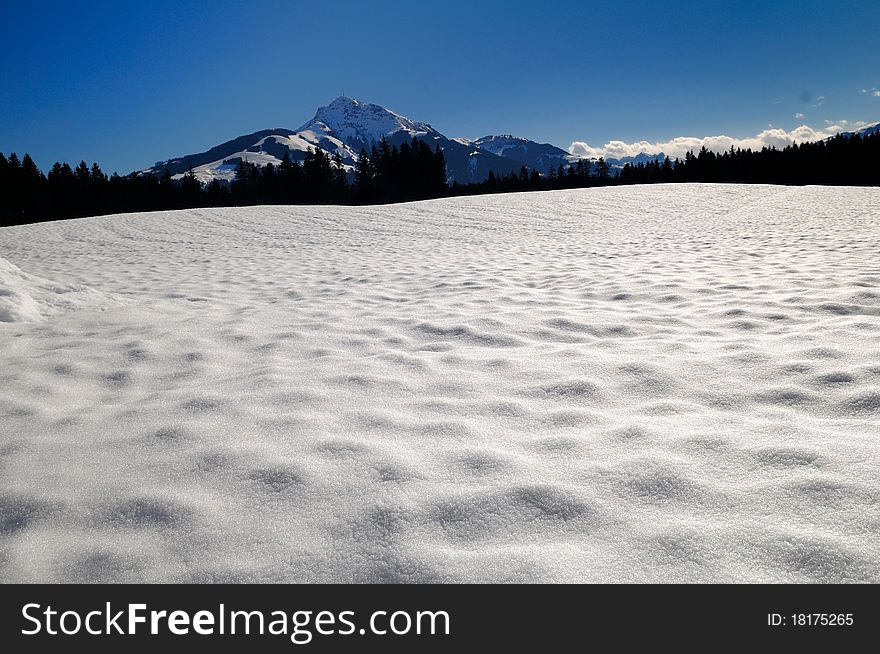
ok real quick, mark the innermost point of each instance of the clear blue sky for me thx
(128, 83)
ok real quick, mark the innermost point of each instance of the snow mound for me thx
(28, 298)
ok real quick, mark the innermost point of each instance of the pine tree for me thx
(96, 175)
(338, 182)
(81, 172)
(667, 170)
(190, 190)
(491, 182)
(365, 177)
(440, 185)
(535, 181)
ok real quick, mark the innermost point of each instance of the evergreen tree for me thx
(82, 173)
(190, 190)
(365, 177)
(440, 183)
(96, 175)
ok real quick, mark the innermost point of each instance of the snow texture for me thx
(653, 383)
(28, 298)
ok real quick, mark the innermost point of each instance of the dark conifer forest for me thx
(412, 171)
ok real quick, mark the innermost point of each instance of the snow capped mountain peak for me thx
(361, 124)
(496, 138)
(343, 101)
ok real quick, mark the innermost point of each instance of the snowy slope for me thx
(180, 165)
(870, 129)
(271, 149)
(864, 131)
(652, 383)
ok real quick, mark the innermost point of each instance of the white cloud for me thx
(799, 115)
(679, 146)
(876, 94)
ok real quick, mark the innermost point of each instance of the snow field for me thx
(655, 383)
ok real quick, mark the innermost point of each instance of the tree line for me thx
(388, 173)
(579, 174)
(840, 160)
(410, 171)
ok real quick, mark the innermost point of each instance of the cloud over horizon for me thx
(680, 145)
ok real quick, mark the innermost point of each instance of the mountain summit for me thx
(362, 125)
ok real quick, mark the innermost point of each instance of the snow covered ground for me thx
(655, 383)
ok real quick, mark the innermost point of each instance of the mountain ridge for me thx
(345, 126)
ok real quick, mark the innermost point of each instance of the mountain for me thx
(182, 164)
(344, 127)
(635, 160)
(361, 125)
(865, 131)
(538, 156)
(544, 156)
(261, 148)
(870, 129)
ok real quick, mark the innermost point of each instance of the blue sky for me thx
(126, 84)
